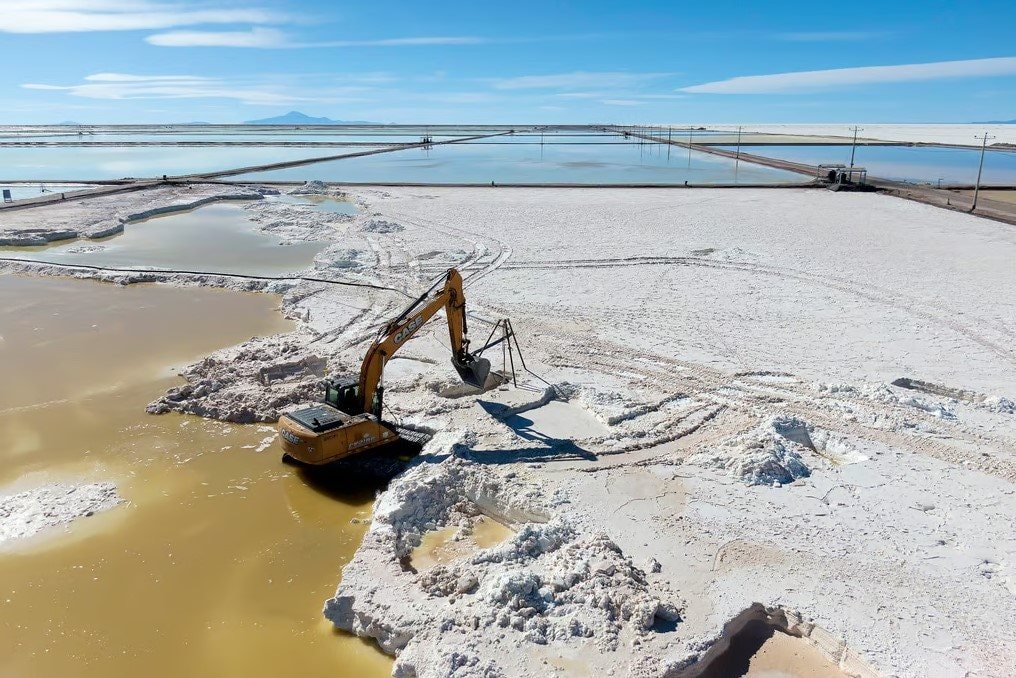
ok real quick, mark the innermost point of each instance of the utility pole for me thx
(977, 185)
(737, 156)
(854, 145)
(689, 146)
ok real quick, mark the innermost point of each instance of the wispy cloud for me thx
(619, 97)
(256, 37)
(127, 77)
(270, 38)
(577, 80)
(805, 81)
(832, 36)
(277, 40)
(583, 95)
(403, 42)
(124, 86)
(662, 96)
(75, 16)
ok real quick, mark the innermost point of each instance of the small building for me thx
(841, 174)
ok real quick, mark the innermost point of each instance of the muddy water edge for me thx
(220, 559)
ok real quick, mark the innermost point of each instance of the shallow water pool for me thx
(217, 238)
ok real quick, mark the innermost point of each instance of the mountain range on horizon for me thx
(298, 118)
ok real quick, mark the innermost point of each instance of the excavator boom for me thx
(472, 370)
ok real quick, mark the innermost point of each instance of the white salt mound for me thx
(382, 226)
(86, 249)
(29, 512)
(340, 257)
(311, 188)
(1000, 404)
(767, 455)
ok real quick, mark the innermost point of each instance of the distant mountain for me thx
(298, 118)
(994, 122)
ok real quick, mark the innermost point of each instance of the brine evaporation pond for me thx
(216, 238)
(219, 559)
(523, 156)
(922, 164)
(557, 161)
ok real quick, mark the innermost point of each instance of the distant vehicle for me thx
(350, 419)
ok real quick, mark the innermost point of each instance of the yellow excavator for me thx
(349, 421)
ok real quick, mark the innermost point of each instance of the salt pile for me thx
(30, 512)
(382, 226)
(763, 456)
(550, 582)
(311, 188)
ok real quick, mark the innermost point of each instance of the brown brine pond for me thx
(220, 558)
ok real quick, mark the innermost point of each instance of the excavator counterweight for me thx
(350, 420)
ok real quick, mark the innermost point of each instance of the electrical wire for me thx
(243, 276)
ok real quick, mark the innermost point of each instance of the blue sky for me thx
(122, 61)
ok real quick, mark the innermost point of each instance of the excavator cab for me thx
(343, 393)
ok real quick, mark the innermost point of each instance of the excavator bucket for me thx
(474, 371)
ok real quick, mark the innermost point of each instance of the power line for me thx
(174, 271)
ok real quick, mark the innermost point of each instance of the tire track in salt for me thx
(936, 313)
(474, 268)
(729, 392)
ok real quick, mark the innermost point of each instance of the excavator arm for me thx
(473, 370)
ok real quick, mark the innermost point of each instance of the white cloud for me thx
(612, 97)
(576, 80)
(804, 81)
(270, 38)
(256, 37)
(583, 95)
(75, 16)
(403, 42)
(832, 36)
(459, 97)
(122, 86)
(125, 77)
(662, 96)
